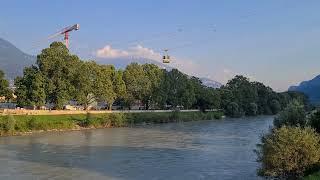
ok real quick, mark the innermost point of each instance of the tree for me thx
(233, 110)
(275, 106)
(265, 95)
(137, 83)
(30, 89)
(154, 74)
(58, 67)
(179, 91)
(104, 89)
(4, 86)
(119, 86)
(188, 96)
(242, 91)
(84, 83)
(160, 96)
(314, 121)
(226, 97)
(288, 152)
(253, 109)
(207, 98)
(293, 115)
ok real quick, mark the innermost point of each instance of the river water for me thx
(219, 149)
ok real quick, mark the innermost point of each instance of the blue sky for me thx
(275, 42)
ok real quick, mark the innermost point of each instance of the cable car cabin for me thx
(166, 59)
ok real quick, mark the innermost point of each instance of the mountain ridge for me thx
(13, 60)
(311, 88)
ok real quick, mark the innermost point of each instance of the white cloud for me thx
(136, 52)
(140, 51)
(108, 52)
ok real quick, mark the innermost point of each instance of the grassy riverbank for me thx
(315, 176)
(21, 124)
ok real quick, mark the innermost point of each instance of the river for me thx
(218, 149)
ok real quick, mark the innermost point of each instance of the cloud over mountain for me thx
(108, 52)
(135, 51)
(140, 51)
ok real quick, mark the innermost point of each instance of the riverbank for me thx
(28, 124)
(314, 176)
(76, 112)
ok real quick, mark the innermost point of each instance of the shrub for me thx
(293, 115)
(31, 123)
(115, 120)
(275, 106)
(218, 115)
(8, 124)
(288, 152)
(233, 110)
(315, 121)
(253, 109)
(314, 176)
(175, 115)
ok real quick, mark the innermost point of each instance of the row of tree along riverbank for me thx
(25, 124)
(59, 78)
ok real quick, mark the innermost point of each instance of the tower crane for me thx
(65, 32)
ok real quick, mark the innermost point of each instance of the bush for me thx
(115, 120)
(288, 152)
(275, 106)
(233, 110)
(31, 123)
(8, 124)
(314, 176)
(293, 115)
(315, 121)
(175, 115)
(253, 109)
(218, 115)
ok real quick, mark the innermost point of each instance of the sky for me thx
(276, 42)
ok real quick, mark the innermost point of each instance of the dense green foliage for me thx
(25, 123)
(242, 97)
(293, 115)
(288, 152)
(59, 77)
(292, 148)
(315, 120)
(314, 176)
(4, 87)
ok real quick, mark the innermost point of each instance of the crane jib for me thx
(70, 28)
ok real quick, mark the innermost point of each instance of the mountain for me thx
(210, 83)
(13, 60)
(310, 88)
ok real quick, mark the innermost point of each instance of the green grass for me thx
(15, 124)
(315, 176)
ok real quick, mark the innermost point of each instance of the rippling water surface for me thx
(220, 149)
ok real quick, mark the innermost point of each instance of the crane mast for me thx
(66, 31)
